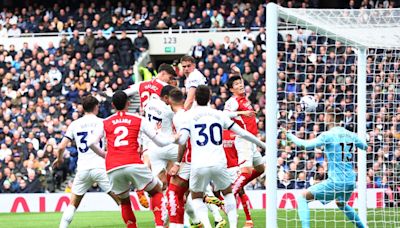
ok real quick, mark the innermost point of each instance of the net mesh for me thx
(317, 56)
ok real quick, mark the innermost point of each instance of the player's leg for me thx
(324, 191)
(144, 150)
(302, 208)
(69, 212)
(199, 179)
(222, 181)
(214, 209)
(248, 157)
(120, 185)
(343, 195)
(81, 184)
(142, 178)
(101, 178)
(246, 208)
(177, 187)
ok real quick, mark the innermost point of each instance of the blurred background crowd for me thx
(41, 87)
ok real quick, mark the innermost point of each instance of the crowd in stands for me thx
(41, 88)
(111, 16)
(327, 69)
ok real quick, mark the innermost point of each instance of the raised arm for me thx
(307, 144)
(132, 89)
(190, 98)
(361, 144)
(159, 139)
(247, 135)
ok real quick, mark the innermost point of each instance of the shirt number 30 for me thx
(215, 134)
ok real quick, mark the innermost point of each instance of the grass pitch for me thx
(388, 218)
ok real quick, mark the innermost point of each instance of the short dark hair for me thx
(176, 95)
(89, 102)
(231, 80)
(165, 90)
(203, 95)
(167, 68)
(119, 100)
(188, 58)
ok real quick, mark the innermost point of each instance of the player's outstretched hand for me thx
(57, 163)
(235, 69)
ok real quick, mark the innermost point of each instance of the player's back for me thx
(150, 89)
(159, 115)
(205, 126)
(80, 130)
(339, 149)
(122, 130)
(236, 103)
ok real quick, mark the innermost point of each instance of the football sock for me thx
(176, 207)
(230, 208)
(246, 205)
(352, 215)
(304, 212)
(156, 206)
(201, 210)
(67, 216)
(127, 214)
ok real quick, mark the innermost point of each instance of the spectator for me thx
(125, 50)
(141, 44)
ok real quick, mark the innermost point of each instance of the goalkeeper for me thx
(338, 143)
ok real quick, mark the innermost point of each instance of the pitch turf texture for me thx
(287, 218)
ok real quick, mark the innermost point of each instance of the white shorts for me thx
(159, 157)
(201, 177)
(137, 175)
(84, 179)
(184, 171)
(233, 173)
(248, 156)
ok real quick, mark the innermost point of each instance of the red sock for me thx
(156, 206)
(127, 215)
(244, 179)
(241, 181)
(246, 205)
(176, 204)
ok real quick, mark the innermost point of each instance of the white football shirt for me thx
(159, 115)
(80, 130)
(195, 79)
(205, 127)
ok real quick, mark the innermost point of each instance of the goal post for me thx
(345, 35)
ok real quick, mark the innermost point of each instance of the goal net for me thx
(346, 59)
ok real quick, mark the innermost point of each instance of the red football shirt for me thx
(122, 131)
(149, 89)
(234, 104)
(228, 142)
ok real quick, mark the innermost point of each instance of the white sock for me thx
(230, 207)
(215, 212)
(189, 209)
(201, 211)
(67, 216)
